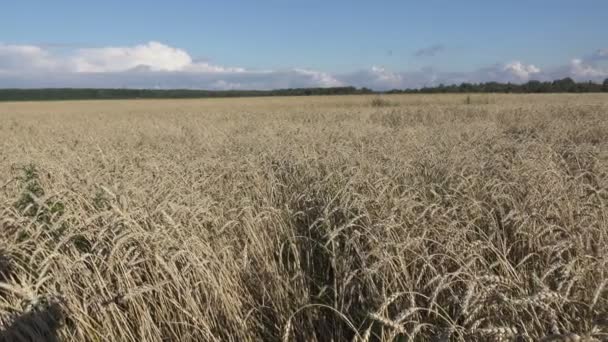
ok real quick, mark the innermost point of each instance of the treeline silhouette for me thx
(566, 85)
(102, 94)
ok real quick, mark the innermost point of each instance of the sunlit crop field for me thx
(345, 218)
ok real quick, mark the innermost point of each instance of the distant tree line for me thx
(103, 94)
(566, 85)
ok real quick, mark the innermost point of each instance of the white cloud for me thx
(158, 65)
(19, 57)
(590, 67)
(323, 79)
(207, 67)
(221, 84)
(376, 78)
(580, 69)
(385, 76)
(150, 65)
(381, 78)
(154, 55)
(522, 71)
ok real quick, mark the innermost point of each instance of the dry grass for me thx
(305, 219)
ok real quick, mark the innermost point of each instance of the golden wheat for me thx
(420, 218)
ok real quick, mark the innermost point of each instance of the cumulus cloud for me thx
(151, 65)
(156, 65)
(381, 78)
(590, 67)
(429, 51)
(19, 57)
(323, 79)
(154, 55)
(581, 69)
(522, 71)
(376, 78)
(207, 67)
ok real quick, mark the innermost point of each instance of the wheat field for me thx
(346, 218)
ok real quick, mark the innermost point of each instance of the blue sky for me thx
(298, 43)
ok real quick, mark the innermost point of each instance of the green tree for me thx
(533, 86)
(564, 85)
